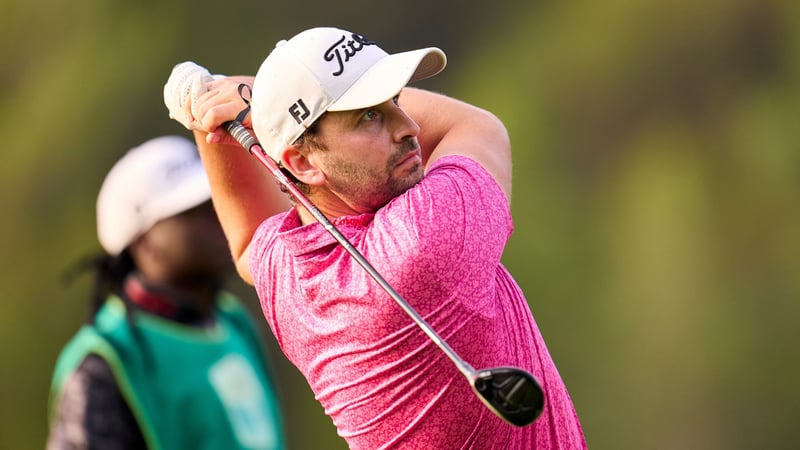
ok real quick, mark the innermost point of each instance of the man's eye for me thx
(370, 114)
(396, 100)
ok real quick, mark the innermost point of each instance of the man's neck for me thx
(330, 205)
(182, 305)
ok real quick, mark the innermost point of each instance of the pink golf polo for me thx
(377, 375)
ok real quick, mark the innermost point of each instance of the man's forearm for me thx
(243, 192)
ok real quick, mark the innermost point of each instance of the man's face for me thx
(191, 244)
(371, 156)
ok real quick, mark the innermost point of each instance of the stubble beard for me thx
(375, 188)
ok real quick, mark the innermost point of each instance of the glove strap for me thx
(243, 113)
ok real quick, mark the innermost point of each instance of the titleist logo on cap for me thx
(343, 49)
(178, 167)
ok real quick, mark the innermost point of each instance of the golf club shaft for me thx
(243, 136)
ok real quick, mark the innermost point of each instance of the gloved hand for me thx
(186, 83)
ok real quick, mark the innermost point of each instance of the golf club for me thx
(511, 393)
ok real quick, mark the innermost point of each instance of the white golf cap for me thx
(328, 69)
(156, 180)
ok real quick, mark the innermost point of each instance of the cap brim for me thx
(192, 191)
(388, 76)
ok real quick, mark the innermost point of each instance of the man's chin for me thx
(411, 180)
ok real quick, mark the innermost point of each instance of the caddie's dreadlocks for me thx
(109, 279)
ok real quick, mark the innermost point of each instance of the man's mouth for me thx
(412, 155)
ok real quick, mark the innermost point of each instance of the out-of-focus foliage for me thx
(656, 193)
(657, 185)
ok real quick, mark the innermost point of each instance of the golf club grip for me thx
(240, 133)
(249, 142)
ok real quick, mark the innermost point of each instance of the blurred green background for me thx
(656, 192)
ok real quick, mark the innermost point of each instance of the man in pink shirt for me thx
(420, 184)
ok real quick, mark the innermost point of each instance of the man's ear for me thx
(296, 161)
(138, 249)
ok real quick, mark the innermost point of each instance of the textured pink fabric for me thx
(378, 376)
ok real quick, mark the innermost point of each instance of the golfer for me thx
(168, 359)
(420, 183)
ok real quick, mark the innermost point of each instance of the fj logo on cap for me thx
(342, 51)
(299, 111)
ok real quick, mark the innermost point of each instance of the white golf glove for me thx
(186, 83)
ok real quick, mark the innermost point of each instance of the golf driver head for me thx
(511, 393)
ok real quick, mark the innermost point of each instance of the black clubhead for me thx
(512, 393)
